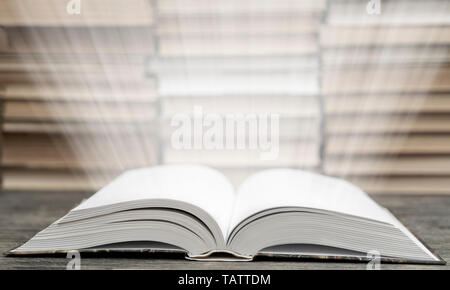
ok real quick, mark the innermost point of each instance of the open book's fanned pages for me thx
(194, 210)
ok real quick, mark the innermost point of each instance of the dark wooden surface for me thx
(23, 214)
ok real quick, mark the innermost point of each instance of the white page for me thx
(201, 186)
(289, 188)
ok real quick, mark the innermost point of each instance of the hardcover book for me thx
(194, 209)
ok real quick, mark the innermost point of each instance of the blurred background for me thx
(362, 93)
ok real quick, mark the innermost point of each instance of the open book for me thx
(195, 209)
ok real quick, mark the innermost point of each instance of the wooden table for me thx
(22, 214)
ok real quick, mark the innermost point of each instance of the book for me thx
(238, 84)
(385, 56)
(217, 45)
(194, 209)
(422, 185)
(388, 166)
(362, 35)
(399, 79)
(290, 128)
(93, 12)
(392, 12)
(100, 150)
(132, 92)
(302, 106)
(78, 112)
(236, 7)
(76, 40)
(20, 60)
(399, 144)
(75, 68)
(435, 105)
(238, 24)
(388, 124)
(87, 77)
(3, 40)
(234, 64)
(48, 180)
(298, 153)
(82, 127)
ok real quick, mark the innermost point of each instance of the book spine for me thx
(219, 255)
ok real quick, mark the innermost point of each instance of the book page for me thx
(295, 188)
(201, 186)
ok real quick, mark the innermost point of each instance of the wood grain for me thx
(22, 214)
